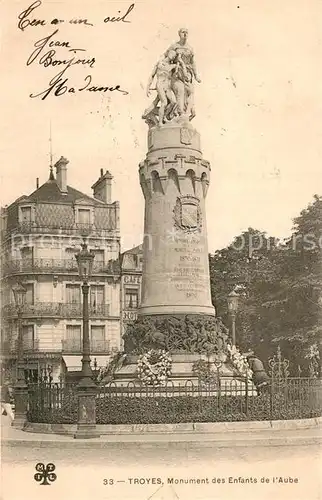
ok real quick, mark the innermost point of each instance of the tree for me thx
(280, 284)
(249, 266)
(301, 285)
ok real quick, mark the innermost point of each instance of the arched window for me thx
(173, 176)
(156, 183)
(192, 176)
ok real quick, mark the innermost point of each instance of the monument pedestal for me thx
(174, 180)
(182, 375)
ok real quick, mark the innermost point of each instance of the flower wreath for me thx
(239, 361)
(154, 367)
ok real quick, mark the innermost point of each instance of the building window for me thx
(27, 253)
(131, 298)
(30, 296)
(98, 342)
(71, 252)
(70, 259)
(97, 295)
(98, 264)
(28, 337)
(84, 217)
(73, 341)
(99, 255)
(25, 215)
(73, 294)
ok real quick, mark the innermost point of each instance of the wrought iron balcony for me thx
(56, 309)
(30, 346)
(53, 266)
(32, 350)
(73, 229)
(11, 347)
(74, 346)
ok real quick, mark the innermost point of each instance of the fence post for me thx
(219, 393)
(246, 396)
(21, 406)
(86, 420)
(271, 398)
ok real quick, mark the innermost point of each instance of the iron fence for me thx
(192, 401)
(52, 403)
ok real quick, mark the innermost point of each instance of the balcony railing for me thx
(76, 346)
(57, 309)
(74, 229)
(31, 347)
(53, 266)
(28, 346)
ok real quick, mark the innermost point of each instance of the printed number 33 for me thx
(108, 482)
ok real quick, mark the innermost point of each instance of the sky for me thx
(258, 105)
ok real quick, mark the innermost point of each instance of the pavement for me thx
(283, 464)
(12, 437)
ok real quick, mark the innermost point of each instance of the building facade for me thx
(41, 233)
(131, 278)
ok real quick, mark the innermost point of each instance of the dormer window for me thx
(84, 216)
(26, 215)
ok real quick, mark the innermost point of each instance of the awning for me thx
(74, 363)
(101, 361)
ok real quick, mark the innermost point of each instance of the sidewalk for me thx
(267, 437)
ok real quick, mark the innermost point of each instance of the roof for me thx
(50, 192)
(135, 250)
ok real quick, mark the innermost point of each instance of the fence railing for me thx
(227, 400)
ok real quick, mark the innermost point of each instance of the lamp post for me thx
(86, 423)
(232, 301)
(20, 388)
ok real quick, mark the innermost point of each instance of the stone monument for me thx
(176, 314)
(174, 179)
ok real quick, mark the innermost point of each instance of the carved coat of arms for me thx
(186, 135)
(187, 214)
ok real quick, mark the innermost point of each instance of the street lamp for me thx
(19, 293)
(232, 301)
(86, 423)
(20, 388)
(85, 265)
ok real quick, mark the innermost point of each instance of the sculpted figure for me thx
(163, 72)
(175, 74)
(182, 82)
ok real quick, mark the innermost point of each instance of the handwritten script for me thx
(52, 51)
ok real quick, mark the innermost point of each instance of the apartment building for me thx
(131, 276)
(41, 233)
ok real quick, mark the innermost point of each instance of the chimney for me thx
(37, 183)
(61, 174)
(102, 189)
